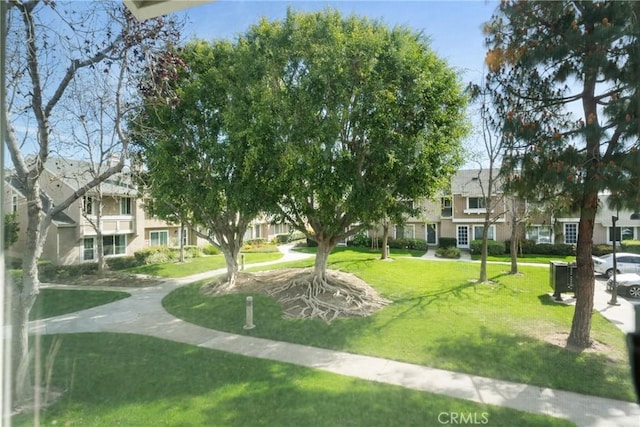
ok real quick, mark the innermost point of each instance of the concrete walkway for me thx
(142, 313)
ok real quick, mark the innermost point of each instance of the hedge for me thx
(447, 242)
(530, 247)
(493, 247)
(366, 242)
(632, 246)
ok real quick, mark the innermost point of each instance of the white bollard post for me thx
(249, 314)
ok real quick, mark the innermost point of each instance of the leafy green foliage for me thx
(493, 247)
(11, 229)
(363, 118)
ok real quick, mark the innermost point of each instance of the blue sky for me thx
(454, 27)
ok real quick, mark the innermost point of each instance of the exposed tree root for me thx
(302, 294)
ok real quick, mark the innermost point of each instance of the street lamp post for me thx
(614, 290)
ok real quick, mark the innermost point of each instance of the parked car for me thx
(628, 284)
(626, 263)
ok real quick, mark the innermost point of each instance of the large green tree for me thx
(366, 116)
(564, 77)
(201, 167)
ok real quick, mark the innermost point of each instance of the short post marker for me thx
(241, 261)
(248, 324)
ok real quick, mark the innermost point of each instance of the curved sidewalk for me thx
(142, 313)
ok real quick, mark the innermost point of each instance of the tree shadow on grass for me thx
(124, 379)
(521, 358)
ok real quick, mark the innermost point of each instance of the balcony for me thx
(120, 224)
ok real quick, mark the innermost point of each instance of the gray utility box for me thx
(562, 278)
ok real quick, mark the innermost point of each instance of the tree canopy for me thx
(364, 116)
(564, 81)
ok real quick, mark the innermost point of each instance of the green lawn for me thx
(127, 380)
(527, 258)
(54, 302)
(199, 265)
(440, 318)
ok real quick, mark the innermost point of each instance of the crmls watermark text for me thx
(463, 418)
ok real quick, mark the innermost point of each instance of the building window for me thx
(114, 245)
(476, 203)
(87, 205)
(125, 206)
(158, 238)
(280, 229)
(477, 232)
(540, 233)
(621, 234)
(446, 207)
(89, 252)
(431, 234)
(571, 233)
(406, 232)
(14, 203)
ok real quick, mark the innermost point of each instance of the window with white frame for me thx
(88, 249)
(114, 245)
(87, 205)
(476, 203)
(540, 233)
(571, 233)
(280, 229)
(159, 238)
(477, 232)
(621, 234)
(446, 210)
(14, 203)
(125, 206)
(406, 232)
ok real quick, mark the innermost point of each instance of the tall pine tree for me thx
(564, 80)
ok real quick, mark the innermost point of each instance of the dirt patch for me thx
(343, 295)
(560, 339)
(112, 279)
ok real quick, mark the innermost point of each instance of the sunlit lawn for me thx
(199, 265)
(55, 302)
(441, 318)
(127, 380)
(527, 258)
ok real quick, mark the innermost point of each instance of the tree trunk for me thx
(99, 236)
(231, 259)
(23, 297)
(483, 255)
(581, 324)
(181, 237)
(385, 240)
(322, 258)
(513, 249)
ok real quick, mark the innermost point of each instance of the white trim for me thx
(468, 244)
(491, 227)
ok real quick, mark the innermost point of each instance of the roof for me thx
(469, 182)
(60, 219)
(77, 173)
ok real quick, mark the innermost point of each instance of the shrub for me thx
(551, 249)
(447, 242)
(448, 252)
(155, 255)
(296, 235)
(191, 252)
(493, 247)
(311, 243)
(630, 246)
(256, 242)
(360, 240)
(49, 272)
(281, 238)
(210, 250)
(601, 249)
(122, 262)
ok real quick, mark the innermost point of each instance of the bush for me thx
(210, 250)
(448, 252)
(447, 242)
(311, 243)
(256, 242)
(122, 262)
(493, 247)
(281, 238)
(632, 246)
(155, 255)
(360, 240)
(49, 272)
(601, 249)
(551, 249)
